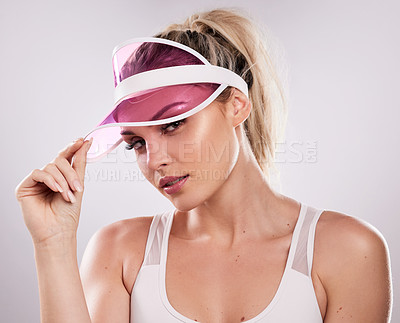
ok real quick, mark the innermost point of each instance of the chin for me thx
(185, 203)
(187, 200)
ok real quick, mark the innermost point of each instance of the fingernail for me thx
(71, 197)
(58, 187)
(76, 140)
(78, 186)
(90, 144)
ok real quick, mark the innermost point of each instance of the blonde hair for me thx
(225, 37)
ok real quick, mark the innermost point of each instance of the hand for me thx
(51, 197)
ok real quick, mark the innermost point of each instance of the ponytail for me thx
(229, 39)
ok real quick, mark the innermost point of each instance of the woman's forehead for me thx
(162, 104)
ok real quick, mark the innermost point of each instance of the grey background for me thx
(56, 83)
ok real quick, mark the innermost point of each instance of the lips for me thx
(170, 180)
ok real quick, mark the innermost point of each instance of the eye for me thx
(169, 127)
(173, 125)
(135, 145)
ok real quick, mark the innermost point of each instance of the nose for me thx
(157, 154)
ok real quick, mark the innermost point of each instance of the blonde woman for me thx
(202, 107)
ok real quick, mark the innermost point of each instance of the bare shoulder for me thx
(123, 233)
(105, 275)
(351, 259)
(342, 235)
(122, 239)
(118, 247)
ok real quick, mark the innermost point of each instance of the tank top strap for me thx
(152, 254)
(304, 245)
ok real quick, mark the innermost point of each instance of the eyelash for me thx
(177, 124)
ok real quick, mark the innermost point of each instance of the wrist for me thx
(59, 243)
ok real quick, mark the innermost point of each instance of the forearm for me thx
(61, 294)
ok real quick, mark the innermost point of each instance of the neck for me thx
(243, 207)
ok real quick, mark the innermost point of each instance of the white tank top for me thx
(294, 301)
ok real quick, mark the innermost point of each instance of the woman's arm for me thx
(352, 261)
(51, 212)
(60, 289)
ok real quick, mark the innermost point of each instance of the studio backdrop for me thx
(341, 63)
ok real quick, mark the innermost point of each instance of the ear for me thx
(240, 107)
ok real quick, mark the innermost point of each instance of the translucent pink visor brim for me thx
(162, 104)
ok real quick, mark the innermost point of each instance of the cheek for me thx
(141, 160)
(220, 152)
(213, 151)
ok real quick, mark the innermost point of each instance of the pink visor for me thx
(157, 81)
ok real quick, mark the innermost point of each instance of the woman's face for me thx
(203, 148)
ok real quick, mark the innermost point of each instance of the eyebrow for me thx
(165, 109)
(154, 117)
(127, 132)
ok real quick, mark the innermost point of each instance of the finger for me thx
(69, 151)
(59, 175)
(38, 176)
(68, 173)
(79, 163)
(35, 177)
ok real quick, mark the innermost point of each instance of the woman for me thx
(233, 250)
